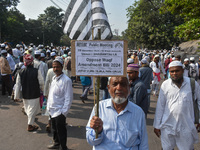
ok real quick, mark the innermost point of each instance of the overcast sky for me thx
(116, 10)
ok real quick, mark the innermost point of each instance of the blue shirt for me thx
(138, 94)
(123, 131)
(146, 75)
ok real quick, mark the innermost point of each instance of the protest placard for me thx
(99, 58)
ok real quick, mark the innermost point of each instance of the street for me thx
(14, 134)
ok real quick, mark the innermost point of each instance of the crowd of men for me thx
(31, 72)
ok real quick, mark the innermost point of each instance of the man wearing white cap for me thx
(174, 117)
(186, 67)
(146, 75)
(38, 64)
(48, 57)
(5, 73)
(193, 71)
(17, 53)
(130, 61)
(44, 65)
(156, 67)
(49, 62)
(10, 59)
(59, 102)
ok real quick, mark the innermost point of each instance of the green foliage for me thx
(65, 40)
(15, 28)
(190, 11)
(148, 28)
(4, 6)
(15, 25)
(51, 25)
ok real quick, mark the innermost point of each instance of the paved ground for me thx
(13, 134)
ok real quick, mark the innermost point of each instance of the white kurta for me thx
(156, 70)
(11, 62)
(31, 106)
(44, 70)
(60, 96)
(196, 68)
(174, 112)
(16, 53)
(48, 81)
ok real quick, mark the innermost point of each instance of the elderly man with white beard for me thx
(121, 124)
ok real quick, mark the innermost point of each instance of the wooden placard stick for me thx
(98, 87)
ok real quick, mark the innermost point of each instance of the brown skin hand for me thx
(157, 132)
(96, 123)
(198, 127)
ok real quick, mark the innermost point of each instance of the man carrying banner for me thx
(121, 124)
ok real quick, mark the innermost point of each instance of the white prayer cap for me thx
(53, 54)
(42, 55)
(186, 59)
(68, 57)
(3, 45)
(191, 58)
(59, 59)
(54, 50)
(156, 56)
(17, 45)
(31, 49)
(175, 64)
(48, 51)
(69, 53)
(147, 58)
(130, 60)
(3, 51)
(173, 58)
(144, 61)
(37, 52)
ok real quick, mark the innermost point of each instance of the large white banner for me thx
(99, 58)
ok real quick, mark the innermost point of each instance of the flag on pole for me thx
(82, 16)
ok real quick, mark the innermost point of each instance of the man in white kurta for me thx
(31, 82)
(58, 104)
(174, 118)
(156, 67)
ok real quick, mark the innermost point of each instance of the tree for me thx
(150, 29)
(190, 11)
(33, 30)
(51, 25)
(65, 40)
(4, 5)
(14, 26)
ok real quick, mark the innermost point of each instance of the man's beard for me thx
(177, 80)
(118, 100)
